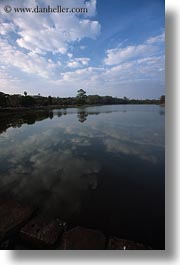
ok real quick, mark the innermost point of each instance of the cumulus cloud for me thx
(53, 47)
(28, 62)
(51, 32)
(36, 35)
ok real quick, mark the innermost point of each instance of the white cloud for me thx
(78, 62)
(82, 47)
(36, 35)
(82, 76)
(70, 55)
(46, 50)
(120, 55)
(156, 39)
(123, 78)
(51, 32)
(7, 80)
(56, 39)
(73, 64)
(57, 170)
(5, 28)
(30, 63)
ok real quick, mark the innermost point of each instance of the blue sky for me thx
(116, 49)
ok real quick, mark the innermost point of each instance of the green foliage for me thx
(81, 97)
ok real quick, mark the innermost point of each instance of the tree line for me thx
(25, 100)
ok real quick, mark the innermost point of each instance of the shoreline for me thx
(11, 110)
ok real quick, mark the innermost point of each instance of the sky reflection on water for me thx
(98, 166)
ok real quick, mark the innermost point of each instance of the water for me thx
(100, 167)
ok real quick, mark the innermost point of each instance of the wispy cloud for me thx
(120, 55)
(157, 39)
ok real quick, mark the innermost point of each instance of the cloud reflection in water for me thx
(52, 162)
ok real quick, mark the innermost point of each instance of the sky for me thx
(116, 48)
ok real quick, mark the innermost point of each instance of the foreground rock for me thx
(41, 232)
(81, 238)
(122, 244)
(13, 215)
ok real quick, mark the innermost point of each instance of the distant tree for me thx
(25, 93)
(126, 100)
(162, 100)
(81, 96)
(49, 100)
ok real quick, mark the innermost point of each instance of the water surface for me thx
(100, 167)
